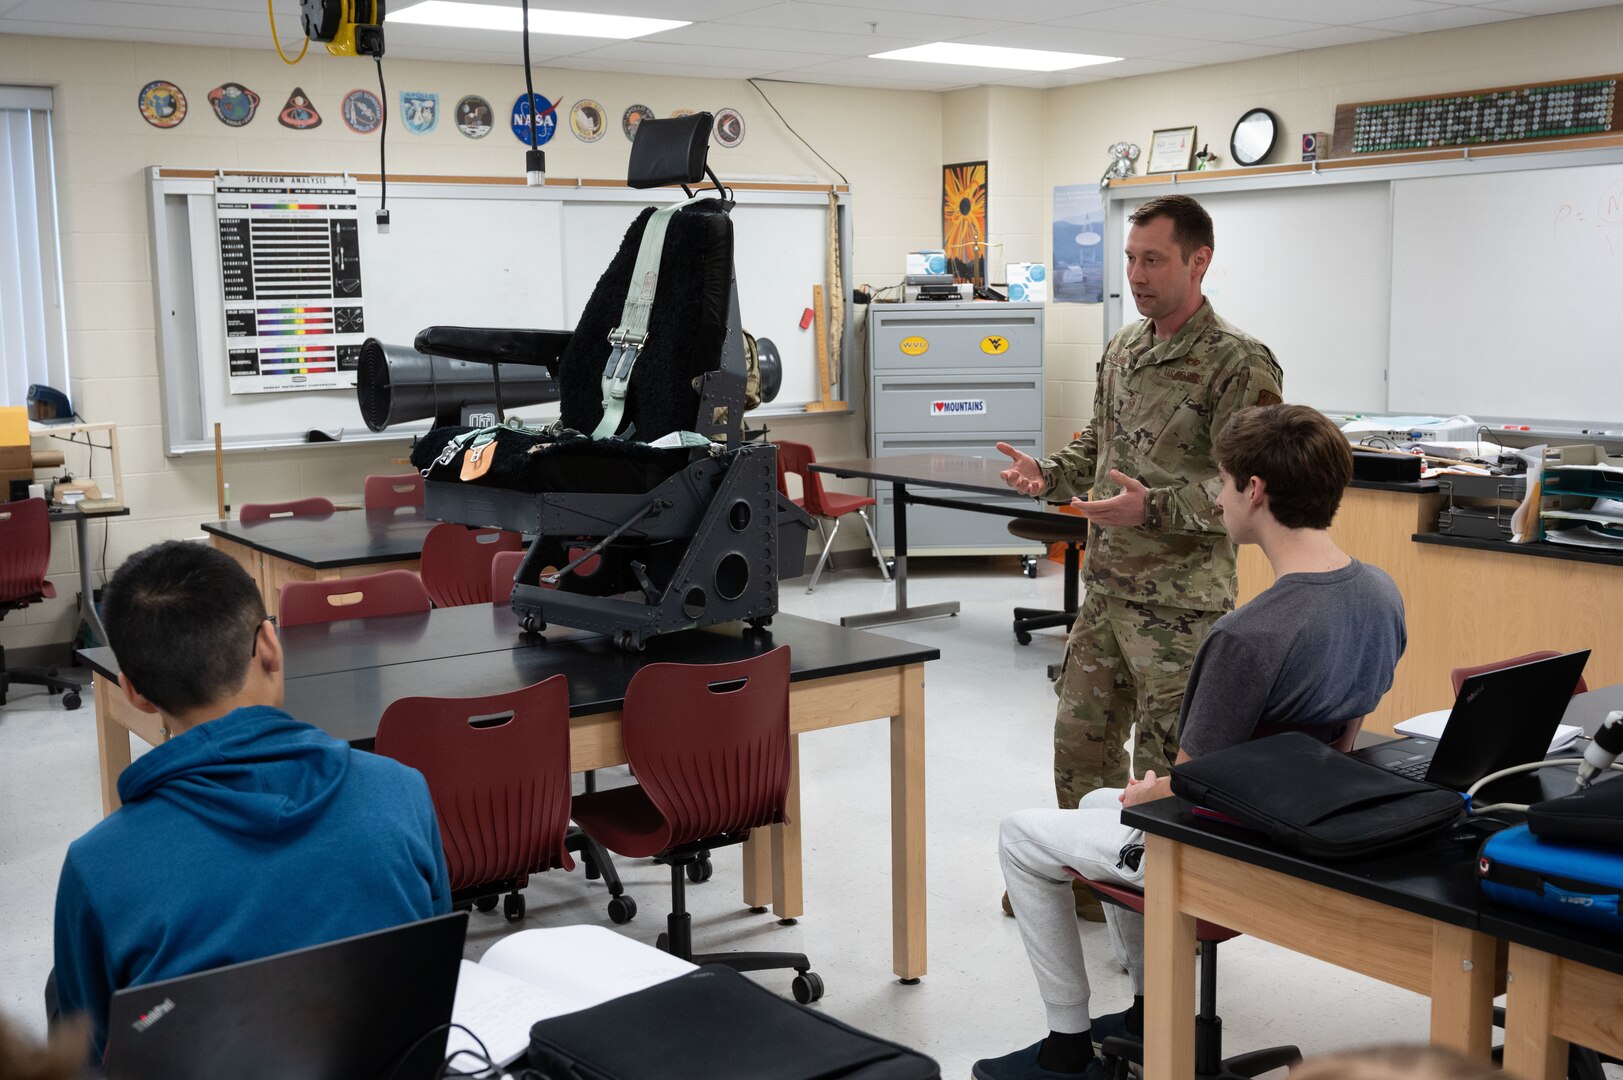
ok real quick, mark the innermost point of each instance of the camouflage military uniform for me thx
(1153, 591)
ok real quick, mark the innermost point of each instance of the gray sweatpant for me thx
(1034, 847)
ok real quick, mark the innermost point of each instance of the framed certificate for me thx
(1172, 150)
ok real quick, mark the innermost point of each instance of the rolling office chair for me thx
(457, 560)
(1460, 674)
(314, 506)
(1058, 529)
(709, 746)
(796, 458)
(25, 552)
(498, 772)
(392, 592)
(393, 492)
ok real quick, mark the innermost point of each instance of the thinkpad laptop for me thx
(1500, 718)
(346, 1010)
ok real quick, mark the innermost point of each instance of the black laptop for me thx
(346, 1010)
(1500, 718)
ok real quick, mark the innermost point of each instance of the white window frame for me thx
(33, 325)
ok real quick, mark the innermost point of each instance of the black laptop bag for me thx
(1312, 799)
(714, 1024)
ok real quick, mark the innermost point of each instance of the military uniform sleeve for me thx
(1070, 472)
(84, 986)
(1254, 380)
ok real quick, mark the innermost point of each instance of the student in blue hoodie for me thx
(246, 833)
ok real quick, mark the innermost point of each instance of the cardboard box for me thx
(16, 459)
(926, 262)
(1028, 282)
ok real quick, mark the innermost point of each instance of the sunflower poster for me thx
(963, 216)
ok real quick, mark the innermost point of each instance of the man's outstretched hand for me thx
(1024, 475)
(1124, 510)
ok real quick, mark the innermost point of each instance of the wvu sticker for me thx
(161, 103)
(420, 112)
(633, 117)
(546, 119)
(233, 103)
(298, 113)
(363, 112)
(729, 128)
(474, 117)
(588, 120)
(994, 345)
(915, 346)
(969, 407)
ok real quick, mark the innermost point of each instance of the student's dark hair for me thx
(1396, 1063)
(1301, 455)
(181, 618)
(1191, 224)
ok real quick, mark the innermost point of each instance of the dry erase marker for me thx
(1516, 427)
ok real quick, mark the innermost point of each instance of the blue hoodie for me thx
(248, 835)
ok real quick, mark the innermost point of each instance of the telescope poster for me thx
(290, 272)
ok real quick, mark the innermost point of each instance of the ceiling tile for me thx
(1186, 22)
(871, 82)
(1328, 36)
(1325, 11)
(738, 36)
(1446, 19)
(683, 71)
(832, 18)
(635, 53)
(1224, 52)
(161, 17)
(1029, 10)
(1547, 7)
(1094, 42)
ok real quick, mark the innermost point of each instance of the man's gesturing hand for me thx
(1025, 475)
(1129, 508)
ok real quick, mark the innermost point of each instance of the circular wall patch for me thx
(419, 111)
(363, 112)
(233, 103)
(546, 119)
(161, 103)
(298, 113)
(588, 120)
(474, 116)
(634, 116)
(729, 128)
(680, 112)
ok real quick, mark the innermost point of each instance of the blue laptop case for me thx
(1575, 882)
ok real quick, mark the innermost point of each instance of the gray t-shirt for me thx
(1311, 653)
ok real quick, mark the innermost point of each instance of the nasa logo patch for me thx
(546, 119)
(161, 103)
(233, 103)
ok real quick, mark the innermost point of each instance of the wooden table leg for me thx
(1463, 973)
(1169, 966)
(1532, 1051)
(112, 743)
(758, 868)
(788, 896)
(907, 876)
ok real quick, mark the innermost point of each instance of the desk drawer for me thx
(956, 403)
(982, 337)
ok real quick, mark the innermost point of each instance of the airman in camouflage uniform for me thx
(1160, 572)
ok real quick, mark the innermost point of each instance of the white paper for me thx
(499, 1009)
(1430, 725)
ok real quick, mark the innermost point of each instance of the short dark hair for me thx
(1191, 224)
(182, 618)
(1301, 455)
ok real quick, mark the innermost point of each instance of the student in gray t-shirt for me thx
(1313, 653)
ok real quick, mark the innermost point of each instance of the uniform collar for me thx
(1181, 342)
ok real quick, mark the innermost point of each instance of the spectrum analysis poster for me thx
(290, 267)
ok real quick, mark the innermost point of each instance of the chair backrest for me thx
(709, 743)
(311, 507)
(503, 569)
(25, 549)
(388, 492)
(498, 771)
(1460, 674)
(392, 592)
(456, 562)
(794, 458)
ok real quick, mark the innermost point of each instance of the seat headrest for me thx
(670, 151)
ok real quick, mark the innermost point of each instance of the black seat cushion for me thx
(533, 463)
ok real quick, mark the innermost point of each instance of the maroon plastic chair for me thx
(457, 560)
(392, 592)
(709, 746)
(389, 492)
(1460, 674)
(25, 552)
(498, 771)
(796, 458)
(503, 569)
(311, 507)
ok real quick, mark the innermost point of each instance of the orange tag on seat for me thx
(476, 462)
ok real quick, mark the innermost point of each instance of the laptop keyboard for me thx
(1414, 770)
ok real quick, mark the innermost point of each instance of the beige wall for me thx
(889, 144)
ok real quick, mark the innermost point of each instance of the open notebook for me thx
(536, 974)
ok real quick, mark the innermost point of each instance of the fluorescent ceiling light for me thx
(992, 56)
(562, 23)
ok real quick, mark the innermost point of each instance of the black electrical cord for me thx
(534, 160)
(383, 133)
(797, 134)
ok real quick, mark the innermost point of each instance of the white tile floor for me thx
(989, 720)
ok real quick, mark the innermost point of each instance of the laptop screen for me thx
(1503, 718)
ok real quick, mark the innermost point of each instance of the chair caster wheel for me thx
(1028, 565)
(808, 987)
(513, 906)
(622, 909)
(628, 642)
(485, 903)
(70, 700)
(701, 870)
(531, 625)
(1022, 637)
(759, 624)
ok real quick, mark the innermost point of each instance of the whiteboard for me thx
(1280, 272)
(1505, 295)
(462, 254)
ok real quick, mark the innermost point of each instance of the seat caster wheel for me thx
(701, 870)
(808, 987)
(759, 624)
(622, 909)
(513, 906)
(485, 903)
(1028, 565)
(1022, 637)
(70, 700)
(531, 625)
(628, 642)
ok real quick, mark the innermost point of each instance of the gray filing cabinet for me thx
(954, 379)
